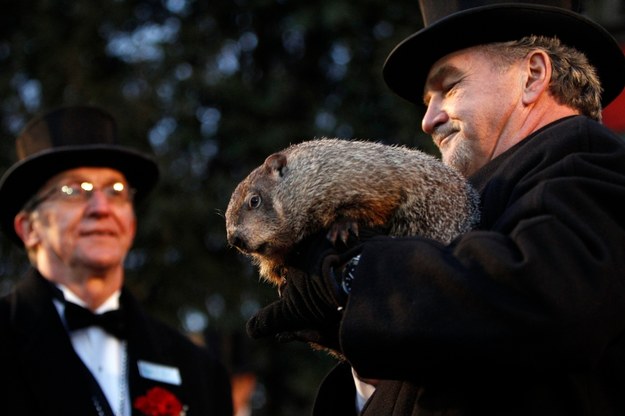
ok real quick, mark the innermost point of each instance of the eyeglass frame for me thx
(84, 191)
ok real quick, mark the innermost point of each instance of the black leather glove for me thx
(312, 297)
(307, 302)
(309, 254)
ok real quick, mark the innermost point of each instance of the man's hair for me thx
(574, 81)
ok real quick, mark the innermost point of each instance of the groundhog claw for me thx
(341, 229)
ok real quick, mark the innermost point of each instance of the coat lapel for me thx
(148, 346)
(45, 352)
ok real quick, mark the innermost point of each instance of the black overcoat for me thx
(525, 315)
(42, 374)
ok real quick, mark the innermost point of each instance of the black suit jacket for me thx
(523, 316)
(43, 375)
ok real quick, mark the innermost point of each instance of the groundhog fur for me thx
(310, 186)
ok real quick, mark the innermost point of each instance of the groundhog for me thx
(316, 184)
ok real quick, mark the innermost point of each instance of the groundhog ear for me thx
(275, 164)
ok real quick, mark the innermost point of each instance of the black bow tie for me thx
(78, 317)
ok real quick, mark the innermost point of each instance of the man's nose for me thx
(434, 116)
(99, 200)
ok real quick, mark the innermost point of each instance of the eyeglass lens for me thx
(116, 192)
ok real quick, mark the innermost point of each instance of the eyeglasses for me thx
(79, 192)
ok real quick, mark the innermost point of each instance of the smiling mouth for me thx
(443, 134)
(441, 141)
(98, 233)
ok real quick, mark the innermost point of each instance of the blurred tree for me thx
(211, 88)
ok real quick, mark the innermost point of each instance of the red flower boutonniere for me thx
(159, 402)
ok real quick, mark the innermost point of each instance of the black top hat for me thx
(63, 139)
(454, 25)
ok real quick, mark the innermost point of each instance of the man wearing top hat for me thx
(74, 341)
(525, 315)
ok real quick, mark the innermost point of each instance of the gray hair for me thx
(574, 81)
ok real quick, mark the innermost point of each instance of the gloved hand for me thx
(309, 253)
(325, 334)
(311, 297)
(343, 237)
(308, 305)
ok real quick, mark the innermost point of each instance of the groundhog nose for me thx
(235, 240)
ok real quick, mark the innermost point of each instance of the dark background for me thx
(211, 88)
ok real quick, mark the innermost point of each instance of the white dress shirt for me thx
(103, 354)
(363, 391)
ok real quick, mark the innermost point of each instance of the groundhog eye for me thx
(255, 201)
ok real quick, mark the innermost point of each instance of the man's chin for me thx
(459, 156)
(101, 256)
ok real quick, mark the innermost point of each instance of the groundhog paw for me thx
(341, 230)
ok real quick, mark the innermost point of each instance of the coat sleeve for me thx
(542, 286)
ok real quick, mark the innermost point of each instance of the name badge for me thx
(159, 372)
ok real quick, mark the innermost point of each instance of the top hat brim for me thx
(24, 179)
(407, 66)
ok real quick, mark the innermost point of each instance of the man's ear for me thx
(23, 225)
(538, 66)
